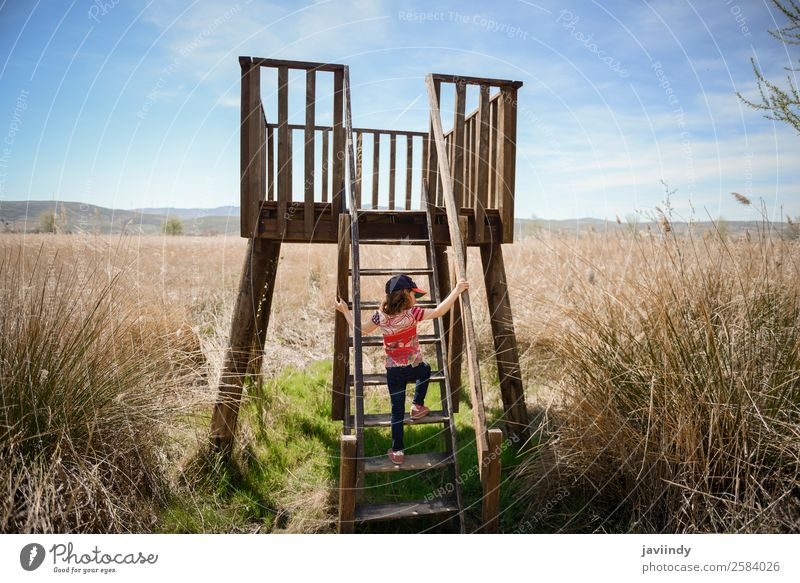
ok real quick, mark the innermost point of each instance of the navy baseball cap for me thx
(401, 281)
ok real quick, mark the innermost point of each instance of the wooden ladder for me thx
(450, 506)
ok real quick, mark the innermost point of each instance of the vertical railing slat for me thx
(493, 155)
(392, 165)
(337, 188)
(325, 165)
(409, 168)
(506, 159)
(458, 143)
(284, 176)
(376, 160)
(482, 187)
(432, 163)
(308, 155)
(359, 156)
(270, 164)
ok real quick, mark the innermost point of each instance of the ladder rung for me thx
(378, 340)
(393, 241)
(376, 305)
(437, 376)
(396, 510)
(407, 271)
(385, 419)
(419, 461)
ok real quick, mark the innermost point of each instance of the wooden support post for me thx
(455, 338)
(376, 161)
(347, 483)
(273, 251)
(308, 155)
(505, 341)
(243, 326)
(481, 199)
(337, 189)
(341, 331)
(490, 480)
(284, 153)
(443, 269)
(252, 144)
(493, 199)
(506, 160)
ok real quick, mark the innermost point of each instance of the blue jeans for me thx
(397, 377)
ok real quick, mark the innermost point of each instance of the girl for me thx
(397, 319)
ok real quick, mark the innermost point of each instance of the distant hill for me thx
(75, 217)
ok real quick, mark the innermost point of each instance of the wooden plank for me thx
(432, 163)
(457, 143)
(337, 188)
(385, 419)
(265, 62)
(505, 340)
(340, 331)
(347, 483)
(273, 252)
(243, 327)
(388, 132)
(456, 333)
(397, 510)
(308, 154)
(482, 185)
(325, 166)
(418, 461)
(506, 163)
(490, 480)
(392, 165)
(376, 160)
(270, 164)
(409, 169)
(469, 162)
(359, 156)
(479, 414)
(284, 177)
(493, 107)
(373, 379)
(466, 80)
(423, 171)
(252, 163)
(443, 271)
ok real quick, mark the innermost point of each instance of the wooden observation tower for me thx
(466, 187)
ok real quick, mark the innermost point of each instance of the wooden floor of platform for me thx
(373, 224)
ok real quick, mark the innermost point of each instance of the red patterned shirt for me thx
(400, 340)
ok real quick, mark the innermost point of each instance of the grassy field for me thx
(661, 374)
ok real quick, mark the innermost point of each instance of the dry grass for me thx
(662, 374)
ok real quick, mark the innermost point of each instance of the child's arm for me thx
(448, 302)
(367, 325)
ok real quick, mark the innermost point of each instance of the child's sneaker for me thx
(397, 457)
(419, 411)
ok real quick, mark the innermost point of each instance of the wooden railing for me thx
(481, 147)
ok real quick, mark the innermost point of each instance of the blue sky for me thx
(129, 104)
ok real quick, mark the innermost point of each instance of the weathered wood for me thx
(490, 480)
(264, 62)
(337, 188)
(270, 164)
(506, 162)
(456, 333)
(443, 271)
(466, 80)
(376, 160)
(392, 164)
(385, 419)
(493, 153)
(479, 414)
(482, 185)
(340, 331)
(284, 161)
(424, 172)
(409, 169)
(432, 164)
(505, 341)
(347, 483)
(325, 165)
(359, 156)
(308, 154)
(419, 461)
(457, 144)
(273, 252)
(252, 149)
(243, 326)
(398, 510)
(388, 132)
(469, 161)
